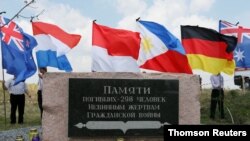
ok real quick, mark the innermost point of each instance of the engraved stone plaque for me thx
(121, 107)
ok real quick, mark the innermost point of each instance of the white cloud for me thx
(131, 7)
(165, 11)
(170, 13)
(200, 5)
(131, 10)
(72, 21)
(194, 20)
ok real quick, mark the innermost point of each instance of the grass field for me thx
(235, 102)
(31, 113)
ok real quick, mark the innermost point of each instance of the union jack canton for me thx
(242, 50)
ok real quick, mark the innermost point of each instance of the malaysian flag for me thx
(242, 50)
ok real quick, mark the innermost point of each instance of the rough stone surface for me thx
(55, 102)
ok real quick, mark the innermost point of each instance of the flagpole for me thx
(4, 99)
(16, 15)
(3, 87)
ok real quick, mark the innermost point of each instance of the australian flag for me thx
(17, 48)
(242, 50)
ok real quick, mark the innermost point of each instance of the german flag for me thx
(208, 50)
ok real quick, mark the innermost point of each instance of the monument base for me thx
(56, 99)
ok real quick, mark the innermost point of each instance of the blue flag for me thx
(242, 50)
(161, 50)
(17, 49)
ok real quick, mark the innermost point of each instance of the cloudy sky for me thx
(76, 16)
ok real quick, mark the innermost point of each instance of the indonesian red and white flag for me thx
(114, 50)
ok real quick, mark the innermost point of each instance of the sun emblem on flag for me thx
(239, 55)
(147, 44)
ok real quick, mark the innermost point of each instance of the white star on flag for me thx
(239, 55)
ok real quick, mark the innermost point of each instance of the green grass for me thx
(31, 111)
(235, 101)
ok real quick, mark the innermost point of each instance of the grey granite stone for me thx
(55, 102)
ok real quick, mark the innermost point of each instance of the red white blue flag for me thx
(17, 47)
(161, 50)
(53, 45)
(242, 51)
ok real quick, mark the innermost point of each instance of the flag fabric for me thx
(53, 44)
(242, 51)
(17, 49)
(114, 50)
(208, 50)
(160, 50)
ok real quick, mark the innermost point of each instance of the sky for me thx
(76, 16)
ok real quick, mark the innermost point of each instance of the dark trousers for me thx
(217, 98)
(17, 101)
(40, 101)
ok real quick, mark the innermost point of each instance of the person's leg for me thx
(21, 104)
(221, 104)
(13, 105)
(214, 96)
(40, 100)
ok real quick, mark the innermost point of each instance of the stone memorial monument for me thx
(109, 106)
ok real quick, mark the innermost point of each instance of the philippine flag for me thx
(53, 44)
(114, 50)
(160, 50)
